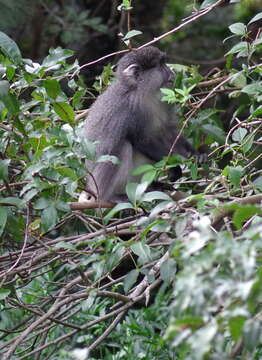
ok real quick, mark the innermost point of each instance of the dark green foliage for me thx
(176, 279)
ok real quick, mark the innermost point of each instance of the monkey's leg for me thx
(84, 196)
(122, 174)
(108, 181)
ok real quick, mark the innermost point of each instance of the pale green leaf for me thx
(3, 218)
(9, 48)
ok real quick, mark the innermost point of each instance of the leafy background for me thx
(179, 279)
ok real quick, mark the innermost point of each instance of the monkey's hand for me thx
(174, 173)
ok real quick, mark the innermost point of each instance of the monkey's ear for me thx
(132, 70)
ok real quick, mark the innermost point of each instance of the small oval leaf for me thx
(65, 112)
(9, 48)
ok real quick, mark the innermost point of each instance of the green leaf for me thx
(65, 112)
(168, 92)
(169, 95)
(49, 218)
(155, 195)
(130, 279)
(244, 213)
(114, 257)
(88, 303)
(42, 203)
(202, 342)
(149, 176)
(52, 88)
(235, 326)
(235, 174)
(239, 134)
(71, 187)
(180, 91)
(67, 172)
(30, 194)
(163, 205)
(256, 18)
(207, 3)
(216, 132)
(62, 206)
(193, 322)
(4, 293)
(142, 169)
(258, 183)
(248, 144)
(65, 245)
(126, 3)
(257, 42)
(3, 218)
(238, 29)
(9, 48)
(194, 169)
(4, 164)
(149, 171)
(135, 191)
(234, 94)
(11, 201)
(124, 6)
(78, 98)
(89, 149)
(56, 56)
(239, 79)
(10, 72)
(39, 143)
(4, 87)
(241, 46)
(252, 334)
(205, 115)
(161, 226)
(10, 101)
(168, 270)
(19, 126)
(143, 251)
(253, 89)
(116, 209)
(131, 34)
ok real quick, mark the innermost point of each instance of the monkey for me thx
(129, 121)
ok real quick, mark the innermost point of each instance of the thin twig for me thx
(25, 241)
(193, 18)
(106, 332)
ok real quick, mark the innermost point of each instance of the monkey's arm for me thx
(159, 145)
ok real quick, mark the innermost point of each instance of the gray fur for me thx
(129, 121)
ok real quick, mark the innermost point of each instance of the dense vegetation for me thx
(173, 279)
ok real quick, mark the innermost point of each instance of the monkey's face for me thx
(145, 69)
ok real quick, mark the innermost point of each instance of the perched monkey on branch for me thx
(130, 122)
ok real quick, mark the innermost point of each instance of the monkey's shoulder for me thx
(110, 100)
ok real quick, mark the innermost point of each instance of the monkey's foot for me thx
(84, 196)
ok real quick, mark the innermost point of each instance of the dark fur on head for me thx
(147, 58)
(143, 62)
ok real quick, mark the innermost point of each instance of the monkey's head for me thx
(144, 68)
